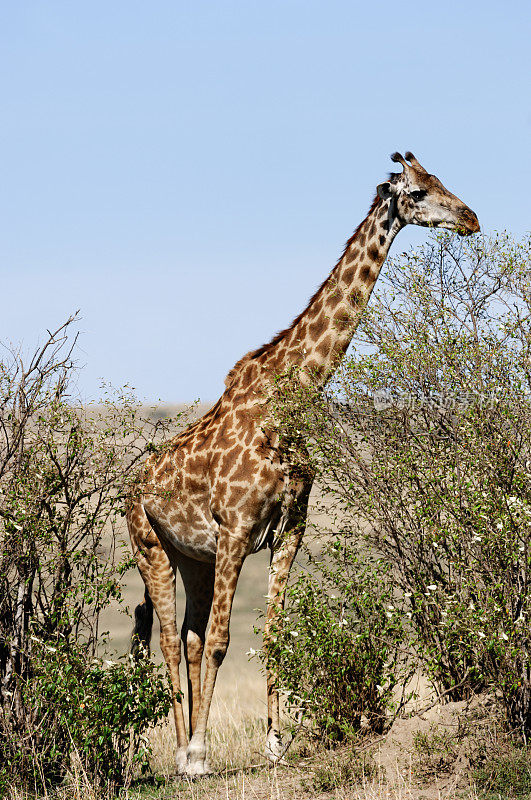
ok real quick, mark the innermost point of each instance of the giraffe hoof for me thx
(194, 769)
(182, 761)
(199, 769)
(192, 763)
(275, 749)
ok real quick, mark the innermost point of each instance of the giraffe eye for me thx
(418, 195)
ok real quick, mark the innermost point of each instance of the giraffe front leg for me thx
(230, 556)
(170, 644)
(281, 561)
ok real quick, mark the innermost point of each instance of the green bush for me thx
(65, 471)
(89, 716)
(423, 444)
(335, 649)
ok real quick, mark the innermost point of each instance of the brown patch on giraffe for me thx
(348, 275)
(229, 455)
(225, 438)
(334, 302)
(250, 437)
(200, 538)
(373, 252)
(252, 500)
(301, 331)
(353, 255)
(194, 466)
(366, 274)
(324, 347)
(317, 328)
(342, 320)
(356, 298)
(226, 465)
(314, 366)
(241, 418)
(244, 469)
(333, 299)
(194, 485)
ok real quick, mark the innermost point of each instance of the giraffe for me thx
(224, 489)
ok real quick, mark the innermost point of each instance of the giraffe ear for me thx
(385, 190)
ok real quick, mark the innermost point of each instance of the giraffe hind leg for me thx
(158, 572)
(198, 580)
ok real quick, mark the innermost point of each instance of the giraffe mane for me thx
(253, 354)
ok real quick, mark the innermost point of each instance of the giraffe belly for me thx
(198, 541)
(200, 545)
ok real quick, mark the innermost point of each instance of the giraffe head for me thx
(419, 198)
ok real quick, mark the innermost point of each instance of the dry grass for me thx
(236, 734)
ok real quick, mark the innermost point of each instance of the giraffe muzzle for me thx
(468, 222)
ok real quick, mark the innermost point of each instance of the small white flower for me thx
(294, 633)
(499, 525)
(432, 587)
(391, 608)
(481, 634)
(504, 636)
(251, 652)
(407, 594)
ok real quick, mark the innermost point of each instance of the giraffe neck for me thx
(319, 337)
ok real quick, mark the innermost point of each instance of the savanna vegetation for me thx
(421, 446)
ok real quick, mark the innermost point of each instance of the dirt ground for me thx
(423, 757)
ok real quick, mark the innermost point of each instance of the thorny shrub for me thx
(423, 444)
(65, 471)
(336, 649)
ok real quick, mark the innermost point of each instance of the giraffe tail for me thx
(141, 637)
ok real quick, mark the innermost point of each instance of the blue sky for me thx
(187, 173)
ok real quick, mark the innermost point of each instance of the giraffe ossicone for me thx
(224, 488)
